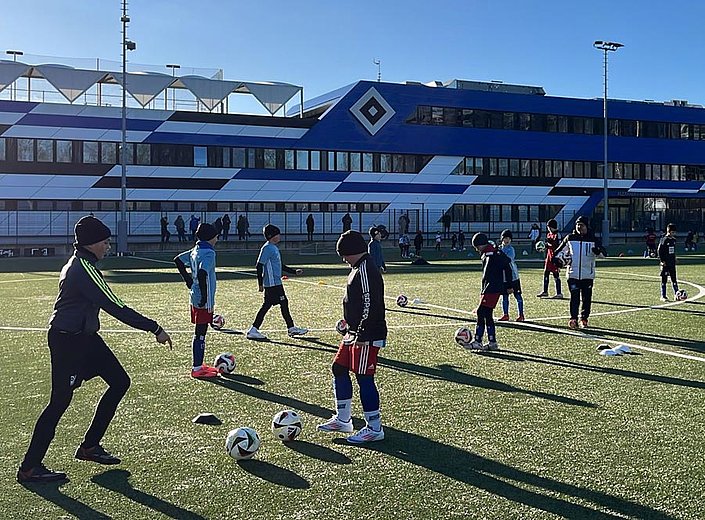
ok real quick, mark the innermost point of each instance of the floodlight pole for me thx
(122, 223)
(605, 47)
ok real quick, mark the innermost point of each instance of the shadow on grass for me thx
(448, 373)
(415, 312)
(672, 308)
(117, 480)
(241, 378)
(686, 344)
(316, 451)
(274, 474)
(474, 470)
(51, 491)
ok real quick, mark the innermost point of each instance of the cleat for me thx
(40, 474)
(96, 454)
(336, 425)
(583, 324)
(253, 333)
(505, 317)
(204, 372)
(543, 294)
(474, 345)
(557, 297)
(521, 318)
(664, 299)
(367, 434)
(573, 323)
(297, 331)
(492, 345)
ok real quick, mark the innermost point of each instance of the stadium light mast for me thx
(127, 45)
(378, 62)
(605, 47)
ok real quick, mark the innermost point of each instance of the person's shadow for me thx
(52, 492)
(274, 474)
(117, 480)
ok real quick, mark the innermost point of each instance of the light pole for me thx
(14, 55)
(127, 45)
(606, 47)
(173, 67)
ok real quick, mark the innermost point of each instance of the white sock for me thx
(344, 407)
(373, 420)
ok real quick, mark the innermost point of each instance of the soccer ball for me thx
(463, 336)
(540, 246)
(218, 321)
(402, 300)
(286, 425)
(342, 327)
(225, 363)
(681, 295)
(242, 443)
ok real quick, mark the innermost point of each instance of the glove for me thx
(350, 338)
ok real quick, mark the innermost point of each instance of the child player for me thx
(667, 260)
(496, 269)
(553, 239)
(507, 248)
(363, 310)
(269, 281)
(201, 283)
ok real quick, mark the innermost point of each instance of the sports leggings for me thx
(485, 320)
(556, 277)
(578, 289)
(284, 307)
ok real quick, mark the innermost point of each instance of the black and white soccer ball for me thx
(402, 300)
(681, 295)
(540, 246)
(287, 425)
(218, 321)
(242, 443)
(225, 363)
(463, 336)
(342, 327)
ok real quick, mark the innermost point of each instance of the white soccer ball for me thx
(286, 425)
(218, 321)
(342, 327)
(540, 246)
(463, 336)
(402, 300)
(225, 363)
(242, 443)
(681, 295)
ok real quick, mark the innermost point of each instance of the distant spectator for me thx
(418, 243)
(164, 223)
(690, 241)
(310, 226)
(403, 224)
(241, 228)
(461, 240)
(226, 226)
(404, 244)
(453, 241)
(180, 228)
(446, 220)
(218, 225)
(193, 226)
(347, 222)
(439, 240)
(534, 235)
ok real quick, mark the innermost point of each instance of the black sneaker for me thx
(96, 454)
(40, 474)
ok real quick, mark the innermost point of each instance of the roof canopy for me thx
(145, 86)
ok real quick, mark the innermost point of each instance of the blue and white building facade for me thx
(492, 155)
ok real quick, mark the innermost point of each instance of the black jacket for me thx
(667, 251)
(83, 292)
(363, 303)
(496, 268)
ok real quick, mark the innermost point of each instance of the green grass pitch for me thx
(543, 428)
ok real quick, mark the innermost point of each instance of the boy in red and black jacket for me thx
(553, 239)
(496, 280)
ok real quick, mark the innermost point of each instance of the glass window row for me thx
(503, 212)
(531, 122)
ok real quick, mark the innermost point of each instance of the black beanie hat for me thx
(206, 231)
(479, 239)
(553, 223)
(89, 230)
(351, 243)
(582, 219)
(270, 231)
(506, 233)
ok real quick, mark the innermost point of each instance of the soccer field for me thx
(544, 428)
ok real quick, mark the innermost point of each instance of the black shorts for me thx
(516, 286)
(274, 295)
(669, 270)
(76, 358)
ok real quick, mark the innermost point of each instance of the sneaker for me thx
(474, 345)
(573, 324)
(492, 345)
(583, 324)
(39, 474)
(253, 333)
(542, 294)
(505, 317)
(97, 454)
(521, 318)
(204, 372)
(367, 434)
(557, 297)
(297, 331)
(664, 299)
(336, 425)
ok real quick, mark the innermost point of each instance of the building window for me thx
(90, 152)
(289, 159)
(341, 164)
(108, 153)
(355, 164)
(45, 150)
(3, 155)
(302, 159)
(144, 154)
(385, 163)
(270, 158)
(200, 156)
(239, 158)
(64, 151)
(367, 162)
(315, 160)
(25, 150)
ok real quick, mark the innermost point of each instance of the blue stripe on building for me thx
(394, 187)
(107, 123)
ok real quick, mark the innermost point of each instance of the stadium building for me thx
(492, 155)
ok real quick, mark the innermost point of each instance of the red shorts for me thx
(550, 267)
(489, 300)
(360, 358)
(201, 316)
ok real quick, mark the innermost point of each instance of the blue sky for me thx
(323, 45)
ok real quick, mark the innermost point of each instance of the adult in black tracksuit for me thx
(579, 250)
(667, 259)
(364, 313)
(78, 353)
